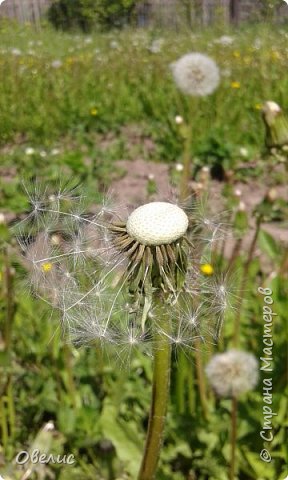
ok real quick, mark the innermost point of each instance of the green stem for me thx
(180, 384)
(236, 336)
(187, 154)
(160, 394)
(233, 438)
(184, 185)
(201, 378)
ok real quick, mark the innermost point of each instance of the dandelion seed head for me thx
(196, 74)
(101, 270)
(157, 223)
(232, 373)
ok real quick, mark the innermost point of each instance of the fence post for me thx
(235, 11)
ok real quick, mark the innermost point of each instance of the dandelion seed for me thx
(196, 74)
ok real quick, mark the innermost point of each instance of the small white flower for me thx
(55, 151)
(114, 44)
(196, 74)
(156, 46)
(157, 223)
(29, 151)
(232, 373)
(238, 192)
(179, 167)
(16, 52)
(56, 64)
(225, 40)
(178, 119)
(243, 152)
(43, 154)
(226, 72)
(257, 43)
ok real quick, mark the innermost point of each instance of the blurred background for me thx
(87, 92)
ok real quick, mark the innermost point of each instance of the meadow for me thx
(75, 106)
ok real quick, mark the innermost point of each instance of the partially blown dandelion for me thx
(126, 285)
(196, 74)
(232, 373)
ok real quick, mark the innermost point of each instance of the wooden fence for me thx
(159, 13)
(24, 10)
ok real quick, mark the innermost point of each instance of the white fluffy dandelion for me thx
(196, 74)
(232, 373)
(112, 277)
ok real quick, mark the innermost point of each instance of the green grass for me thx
(100, 411)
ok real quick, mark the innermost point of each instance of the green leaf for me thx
(124, 437)
(268, 245)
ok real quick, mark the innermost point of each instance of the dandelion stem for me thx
(181, 379)
(236, 336)
(201, 377)
(184, 186)
(160, 394)
(233, 438)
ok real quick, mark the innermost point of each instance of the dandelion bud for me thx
(242, 206)
(276, 125)
(272, 195)
(204, 175)
(232, 373)
(2, 219)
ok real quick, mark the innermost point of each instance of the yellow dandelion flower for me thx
(207, 269)
(258, 106)
(236, 54)
(275, 55)
(70, 60)
(235, 85)
(94, 112)
(46, 267)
